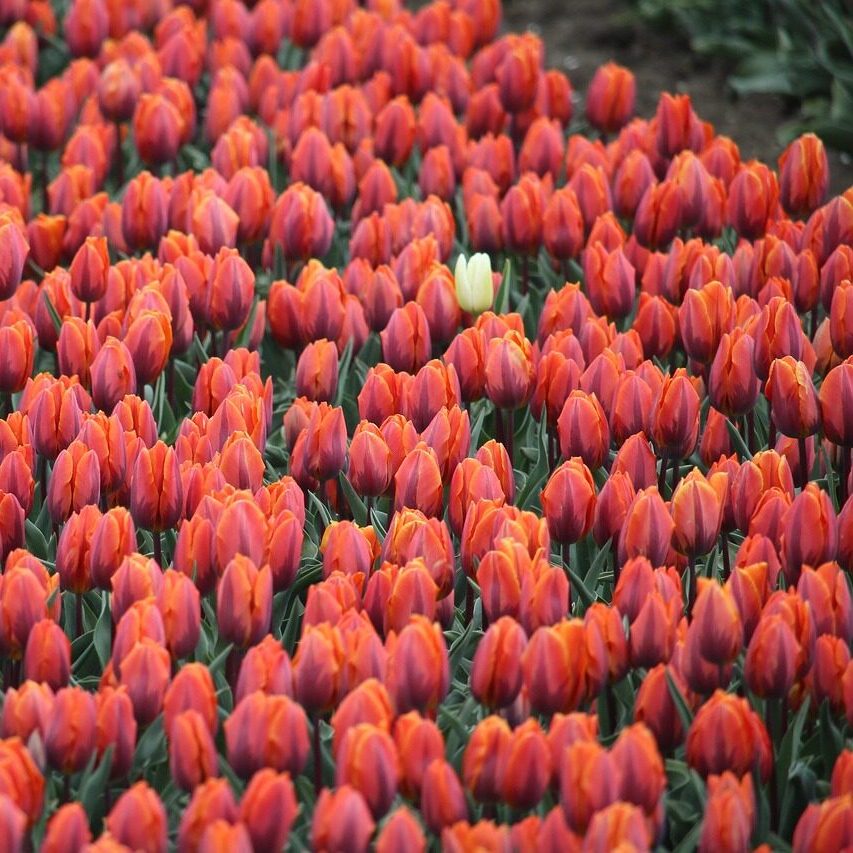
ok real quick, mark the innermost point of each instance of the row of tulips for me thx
(318, 532)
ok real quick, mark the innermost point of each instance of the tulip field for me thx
(401, 450)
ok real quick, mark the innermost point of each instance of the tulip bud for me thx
(89, 269)
(792, 398)
(67, 829)
(47, 657)
(474, 288)
(568, 502)
(401, 831)
(418, 675)
(268, 809)
(804, 175)
(138, 820)
(70, 735)
(583, 429)
(496, 675)
(113, 374)
(442, 798)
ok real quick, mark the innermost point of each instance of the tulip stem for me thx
(724, 547)
(691, 584)
(804, 461)
(78, 614)
(750, 430)
(158, 547)
(845, 476)
(318, 761)
(509, 431)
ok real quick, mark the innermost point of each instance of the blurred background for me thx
(763, 71)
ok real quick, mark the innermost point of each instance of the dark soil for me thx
(580, 35)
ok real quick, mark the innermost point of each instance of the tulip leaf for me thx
(103, 633)
(737, 440)
(502, 298)
(689, 841)
(343, 373)
(199, 350)
(246, 331)
(356, 504)
(150, 745)
(93, 785)
(789, 749)
(592, 576)
(36, 542)
(218, 663)
(681, 705)
(831, 741)
(584, 593)
(477, 426)
(539, 473)
(51, 310)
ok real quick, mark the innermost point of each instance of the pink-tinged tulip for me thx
(804, 175)
(792, 397)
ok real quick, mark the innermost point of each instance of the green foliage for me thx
(797, 49)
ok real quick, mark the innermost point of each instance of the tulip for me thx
(113, 374)
(417, 483)
(67, 829)
(47, 657)
(474, 288)
(70, 735)
(26, 710)
(244, 601)
(726, 734)
(496, 675)
(442, 798)
(252, 739)
(12, 259)
(568, 502)
(793, 399)
(138, 819)
(406, 341)
(341, 819)
(524, 770)
(401, 831)
(752, 200)
(418, 676)
(268, 809)
(16, 340)
(590, 780)
(804, 175)
(367, 760)
(318, 668)
(115, 727)
(675, 417)
(317, 371)
(583, 429)
(648, 528)
(156, 492)
(192, 754)
(483, 757)
(211, 801)
(89, 269)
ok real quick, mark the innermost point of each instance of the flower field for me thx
(402, 451)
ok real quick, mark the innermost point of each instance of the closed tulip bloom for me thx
(47, 657)
(752, 200)
(803, 175)
(317, 371)
(370, 463)
(367, 760)
(401, 831)
(496, 675)
(157, 128)
(406, 341)
(417, 483)
(419, 742)
(524, 769)
(418, 675)
(543, 148)
(74, 482)
(67, 829)
(733, 386)
(827, 675)
(113, 539)
(836, 397)
(568, 501)
(770, 666)
(212, 800)
(12, 258)
(810, 532)
(76, 348)
(697, 512)
(841, 319)
(729, 814)
(590, 780)
(341, 820)
(145, 672)
(442, 798)
(583, 429)
(113, 374)
(318, 668)
(648, 528)
(26, 710)
(13, 825)
(825, 826)
(70, 735)
(509, 371)
(192, 753)
(138, 820)
(655, 706)
(156, 492)
(149, 340)
(17, 344)
(89, 269)
(675, 417)
(726, 734)
(659, 214)
(829, 597)
(268, 809)
(115, 727)
(244, 602)
(563, 225)
(610, 97)
(253, 739)
(474, 288)
(230, 292)
(792, 398)
(609, 278)
(483, 756)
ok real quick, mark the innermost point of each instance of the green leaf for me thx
(343, 373)
(356, 504)
(790, 748)
(151, 744)
(584, 594)
(36, 542)
(218, 663)
(502, 299)
(246, 332)
(737, 440)
(102, 637)
(93, 786)
(681, 705)
(539, 473)
(51, 310)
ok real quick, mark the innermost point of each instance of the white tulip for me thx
(474, 283)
